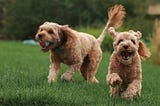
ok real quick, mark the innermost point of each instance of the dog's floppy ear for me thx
(112, 32)
(63, 27)
(143, 51)
(62, 31)
(65, 30)
(68, 33)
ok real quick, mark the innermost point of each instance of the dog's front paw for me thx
(115, 81)
(51, 79)
(67, 77)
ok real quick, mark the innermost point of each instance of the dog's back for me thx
(88, 41)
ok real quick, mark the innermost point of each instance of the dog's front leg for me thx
(133, 90)
(53, 72)
(71, 70)
(114, 79)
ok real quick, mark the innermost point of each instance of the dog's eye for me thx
(133, 41)
(50, 31)
(121, 40)
(41, 29)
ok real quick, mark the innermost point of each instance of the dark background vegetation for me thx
(19, 19)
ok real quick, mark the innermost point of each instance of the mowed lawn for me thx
(23, 81)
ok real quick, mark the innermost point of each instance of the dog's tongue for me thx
(125, 55)
(42, 44)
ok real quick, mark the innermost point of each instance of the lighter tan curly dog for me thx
(78, 50)
(125, 70)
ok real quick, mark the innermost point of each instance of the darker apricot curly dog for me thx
(125, 70)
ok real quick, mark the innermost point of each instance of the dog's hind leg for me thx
(90, 66)
(71, 70)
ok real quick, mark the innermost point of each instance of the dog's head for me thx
(127, 45)
(50, 35)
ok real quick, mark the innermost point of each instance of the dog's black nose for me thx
(125, 47)
(40, 36)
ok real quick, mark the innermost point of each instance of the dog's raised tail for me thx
(116, 15)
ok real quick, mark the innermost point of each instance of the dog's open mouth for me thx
(126, 54)
(44, 44)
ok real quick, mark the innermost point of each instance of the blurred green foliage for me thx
(21, 18)
(155, 43)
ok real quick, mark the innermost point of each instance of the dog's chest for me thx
(60, 51)
(127, 74)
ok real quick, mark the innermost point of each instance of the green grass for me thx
(23, 81)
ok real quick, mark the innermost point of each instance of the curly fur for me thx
(80, 51)
(125, 71)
